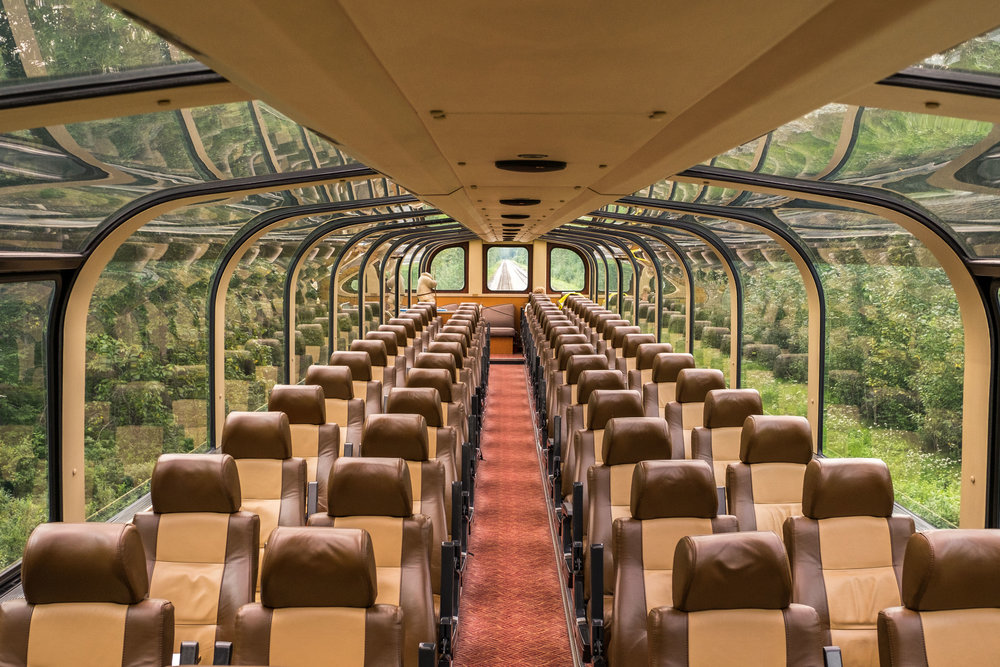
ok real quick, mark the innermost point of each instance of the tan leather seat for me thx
(405, 437)
(381, 370)
(201, 549)
(442, 440)
(446, 361)
(413, 341)
(731, 607)
(85, 601)
(272, 483)
(669, 500)
(628, 360)
(362, 377)
(404, 345)
(765, 487)
(847, 551)
(718, 439)
(317, 601)
(374, 495)
(661, 390)
(342, 408)
(453, 410)
(951, 602)
(616, 341)
(688, 409)
(466, 374)
(566, 393)
(395, 362)
(577, 415)
(642, 373)
(313, 440)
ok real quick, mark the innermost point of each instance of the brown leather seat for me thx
(457, 344)
(731, 607)
(314, 440)
(381, 370)
(765, 487)
(628, 358)
(951, 602)
(374, 495)
(85, 601)
(272, 483)
(405, 437)
(669, 500)
(342, 408)
(576, 414)
(362, 378)
(566, 393)
(404, 344)
(616, 341)
(446, 361)
(645, 355)
(395, 362)
(661, 390)
(442, 440)
(317, 601)
(718, 439)
(688, 409)
(423, 333)
(466, 373)
(847, 551)
(201, 549)
(412, 333)
(453, 412)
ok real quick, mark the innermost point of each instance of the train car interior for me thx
(527, 333)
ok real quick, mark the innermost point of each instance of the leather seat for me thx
(464, 358)
(85, 601)
(313, 440)
(317, 600)
(453, 410)
(951, 602)
(412, 333)
(404, 345)
(765, 487)
(718, 439)
(468, 375)
(688, 410)
(446, 361)
(645, 355)
(381, 370)
(847, 551)
(272, 483)
(669, 500)
(362, 378)
(395, 363)
(342, 408)
(566, 393)
(374, 495)
(201, 549)
(423, 333)
(661, 390)
(577, 415)
(442, 440)
(628, 357)
(731, 607)
(616, 342)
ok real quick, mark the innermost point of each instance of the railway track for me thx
(509, 277)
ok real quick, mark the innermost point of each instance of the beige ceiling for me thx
(627, 93)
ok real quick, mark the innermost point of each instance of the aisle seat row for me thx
(646, 453)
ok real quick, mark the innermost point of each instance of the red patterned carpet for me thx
(512, 611)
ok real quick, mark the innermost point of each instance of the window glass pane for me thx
(566, 271)
(448, 268)
(507, 268)
(24, 488)
(711, 310)
(980, 54)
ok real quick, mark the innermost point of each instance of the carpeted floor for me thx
(512, 611)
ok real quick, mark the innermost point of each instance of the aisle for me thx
(512, 612)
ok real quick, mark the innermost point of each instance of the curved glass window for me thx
(980, 55)
(567, 272)
(449, 268)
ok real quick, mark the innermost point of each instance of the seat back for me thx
(951, 602)
(317, 599)
(669, 499)
(85, 601)
(451, 394)
(342, 407)
(661, 390)
(688, 410)
(645, 354)
(362, 377)
(381, 370)
(411, 329)
(718, 439)
(201, 549)
(730, 602)
(847, 551)
(628, 360)
(442, 440)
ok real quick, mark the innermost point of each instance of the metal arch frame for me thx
(584, 256)
(403, 239)
(601, 240)
(589, 251)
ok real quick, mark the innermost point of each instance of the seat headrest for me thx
(668, 365)
(731, 571)
(303, 403)
(375, 349)
(634, 439)
(619, 333)
(84, 562)
(600, 319)
(647, 352)
(847, 487)
(776, 439)
(693, 384)
(605, 404)
(952, 569)
(335, 381)
(445, 360)
(368, 486)
(424, 315)
(567, 352)
(668, 489)
(388, 339)
(257, 435)
(406, 323)
(397, 330)
(395, 436)
(424, 401)
(437, 378)
(454, 349)
(459, 338)
(195, 483)
(569, 339)
(561, 330)
(456, 330)
(318, 567)
(632, 342)
(358, 361)
(416, 317)
(460, 324)
(584, 362)
(726, 408)
(591, 379)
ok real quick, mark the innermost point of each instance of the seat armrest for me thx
(832, 657)
(427, 655)
(312, 498)
(190, 653)
(223, 653)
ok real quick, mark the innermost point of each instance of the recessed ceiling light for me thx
(515, 216)
(532, 156)
(530, 166)
(520, 201)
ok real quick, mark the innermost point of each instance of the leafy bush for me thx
(845, 387)
(712, 336)
(699, 327)
(794, 367)
(892, 407)
(762, 353)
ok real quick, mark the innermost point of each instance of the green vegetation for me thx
(448, 268)
(566, 270)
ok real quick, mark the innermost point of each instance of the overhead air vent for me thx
(515, 216)
(530, 166)
(520, 201)
(515, 225)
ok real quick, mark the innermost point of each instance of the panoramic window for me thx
(507, 269)
(448, 268)
(566, 271)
